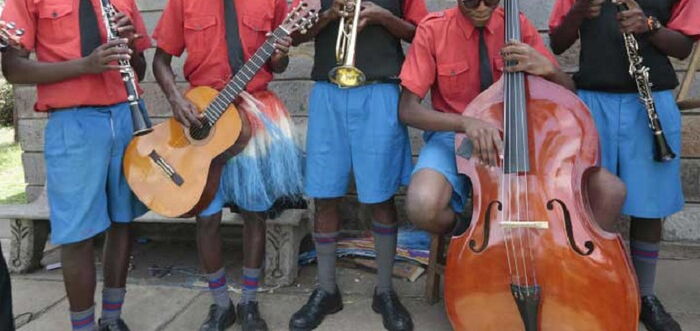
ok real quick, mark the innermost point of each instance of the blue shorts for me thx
(438, 154)
(653, 188)
(356, 131)
(83, 149)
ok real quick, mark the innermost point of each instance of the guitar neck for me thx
(244, 75)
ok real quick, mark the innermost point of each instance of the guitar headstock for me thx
(10, 35)
(302, 17)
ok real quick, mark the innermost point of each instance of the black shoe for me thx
(219, 319)
(249, 317)
(117, 325)
(320, 304)
(394, 315)
(655, 317)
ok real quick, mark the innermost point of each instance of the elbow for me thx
(556, 47)
(11, 75)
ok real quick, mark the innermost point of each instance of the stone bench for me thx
(30, 229)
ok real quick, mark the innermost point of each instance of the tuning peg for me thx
(11, 25)
(19, 32)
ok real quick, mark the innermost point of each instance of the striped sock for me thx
(112, 301)
(644, 256)
(83, 320)
(219, 288)
(326, 245)
(385, 248)
(251, 279)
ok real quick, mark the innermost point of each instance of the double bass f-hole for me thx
(487, 228)
(569, 229)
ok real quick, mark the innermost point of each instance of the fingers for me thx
(631, 4)
(126, 28)
(114, 58)
(121, 20)
(282, 45)
(114, 43)
(632, 21)
(193, 115)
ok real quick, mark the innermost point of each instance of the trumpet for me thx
(346, 74)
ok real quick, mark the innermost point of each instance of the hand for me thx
(522, 57)
(588, 8)
(487, 145)
(101, 59)
(632, 20)
(336, 10)
(282, 45)
(125, 28)
(370, 14)
(186, 113)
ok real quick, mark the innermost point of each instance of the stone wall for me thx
(293, 86)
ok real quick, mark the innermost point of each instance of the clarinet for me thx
(139, 116)
(640, 74)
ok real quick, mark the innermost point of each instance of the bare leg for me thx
(606, 194)
(209, 242)
(116, 255)
(327, 216)
(253, 239)
(78, 265)
(428, 202)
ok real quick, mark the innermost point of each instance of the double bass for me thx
(534, 258)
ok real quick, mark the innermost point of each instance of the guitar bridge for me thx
(166, 168)
(542, 225)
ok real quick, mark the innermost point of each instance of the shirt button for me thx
(54, 14)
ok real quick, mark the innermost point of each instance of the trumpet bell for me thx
(347, 76)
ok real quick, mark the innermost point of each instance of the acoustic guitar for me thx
(175, 170)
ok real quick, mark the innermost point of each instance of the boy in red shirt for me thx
(85, 137)
(456, 54)
(218, 36)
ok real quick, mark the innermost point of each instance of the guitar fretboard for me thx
(241, 79)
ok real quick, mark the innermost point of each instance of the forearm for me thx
(138, 63)
(413, 114)
(398, 27)
(324, 19)
(672, 43)
(19, 69)
(566, 34)
(165, 76)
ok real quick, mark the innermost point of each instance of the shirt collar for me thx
(470, 30)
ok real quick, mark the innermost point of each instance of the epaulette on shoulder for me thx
(434, 16)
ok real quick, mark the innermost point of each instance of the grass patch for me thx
(11, 173)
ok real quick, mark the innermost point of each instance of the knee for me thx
(326, 206)
(422, 208)
(86, 244)
(610, 186)
(208, 225)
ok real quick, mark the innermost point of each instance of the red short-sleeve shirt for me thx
(444, 57)
(52, 31)
(199, 28)
(685, 16)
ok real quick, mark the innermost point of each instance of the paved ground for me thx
(177, 301)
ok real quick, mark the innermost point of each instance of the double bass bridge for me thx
(541, 225)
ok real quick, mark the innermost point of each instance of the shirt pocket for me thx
(453, 79)
(57, 23)
(258, 27)
(200, 34)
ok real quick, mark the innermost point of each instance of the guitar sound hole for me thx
(200, 133)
